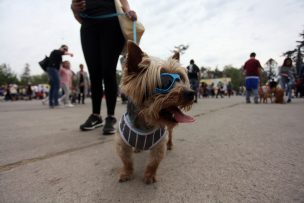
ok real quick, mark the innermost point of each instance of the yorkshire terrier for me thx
(157, 93)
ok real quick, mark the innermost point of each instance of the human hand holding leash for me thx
(132, 15)
(126, 8)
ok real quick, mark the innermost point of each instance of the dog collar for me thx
(137, 138)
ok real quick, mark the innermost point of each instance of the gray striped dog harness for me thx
(137, 138)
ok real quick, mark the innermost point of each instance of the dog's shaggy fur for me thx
(278, 95)
(151, 110)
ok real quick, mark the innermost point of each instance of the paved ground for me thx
(233, 153)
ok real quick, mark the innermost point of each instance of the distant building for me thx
(224, 80)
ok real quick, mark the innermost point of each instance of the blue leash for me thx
(111, 15)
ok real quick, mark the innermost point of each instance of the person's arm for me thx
(68, 53)
(77, 6)
(260, 68)
(60, 52)
(126, 8)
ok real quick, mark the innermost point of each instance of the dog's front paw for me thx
(148, 179)
(169, 146)
(124, 177)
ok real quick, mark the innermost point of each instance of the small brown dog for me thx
(157, 91)
(278, 95)
(265, 93)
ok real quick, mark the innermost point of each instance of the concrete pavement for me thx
(234, 152)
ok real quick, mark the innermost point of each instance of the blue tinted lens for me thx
(167, 82)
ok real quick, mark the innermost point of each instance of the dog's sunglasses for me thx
(167, 82)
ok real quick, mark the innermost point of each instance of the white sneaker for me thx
(60, 101)
(69, 105)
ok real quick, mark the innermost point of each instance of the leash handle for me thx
(111, 15)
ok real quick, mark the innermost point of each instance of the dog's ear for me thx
(134, 57)
(176, 56)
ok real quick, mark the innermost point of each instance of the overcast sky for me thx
(218, 32)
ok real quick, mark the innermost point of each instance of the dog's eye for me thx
(166, 82)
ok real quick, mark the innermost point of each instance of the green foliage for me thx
(9, 77)
(218, 73)
(236, 75)
(208, 73)
(26, 75)
(203, 69)
(6, 75)
(40, 79)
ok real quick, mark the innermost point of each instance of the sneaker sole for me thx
(91, 128)
(109, 132)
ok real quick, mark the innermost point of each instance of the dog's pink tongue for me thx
(180, 117)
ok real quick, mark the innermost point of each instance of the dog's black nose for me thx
(189, 95)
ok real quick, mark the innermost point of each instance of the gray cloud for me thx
(219, 32)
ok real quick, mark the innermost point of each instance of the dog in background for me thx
(265, 93)
(278, 95)
(157, 91)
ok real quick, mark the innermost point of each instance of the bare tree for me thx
(180, 48)
(26, 75)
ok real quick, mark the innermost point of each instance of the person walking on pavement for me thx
(229, 89)
(287, 75)
(102, 43)
(53, 73)
(83, 83)
(252, 70)
(29, 91)
(66, 82)
(193, 75)
(220, 90)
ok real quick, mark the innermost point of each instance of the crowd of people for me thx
(14, 92)
(287, 79)
(75, 87)
(65, 87)
(212, 90)
(219, 90)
